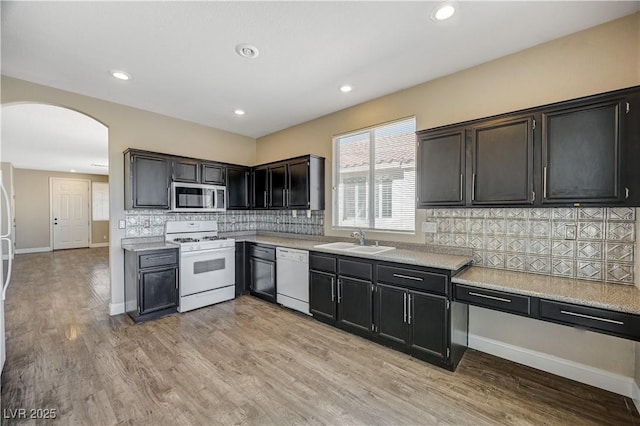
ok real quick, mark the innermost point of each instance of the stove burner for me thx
(186, 240)
(213, 238)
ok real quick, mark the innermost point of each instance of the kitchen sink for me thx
(369, 249)
(336, 246)
(355, 248)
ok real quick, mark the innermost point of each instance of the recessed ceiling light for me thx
(443, 11)
(346, 88)
(120, 75)
(72, 171)
(239, 112)
(104, 166)
(248, 51)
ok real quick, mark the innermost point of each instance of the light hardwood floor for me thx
(247, 362)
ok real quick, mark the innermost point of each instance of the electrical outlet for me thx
(147, 223)
(429, 227)
(570, 232)
(294, 213)
(122, 224)
(104, 237)
(309, 214)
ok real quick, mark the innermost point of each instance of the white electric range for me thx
(207, 263)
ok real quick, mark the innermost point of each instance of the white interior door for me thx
(70, 210)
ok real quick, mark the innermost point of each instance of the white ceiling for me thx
(182, 58)
(46, 137)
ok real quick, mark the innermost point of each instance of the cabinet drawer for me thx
(261, 252)
(160, 258)
(322, 263)
(355, 269)
(429, 281)
(616, 323)
(493, 299)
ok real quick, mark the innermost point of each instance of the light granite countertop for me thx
(155, 245)
(409, 257)
(615, 297)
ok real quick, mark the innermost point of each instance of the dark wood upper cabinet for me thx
(502, 161)
(260, 184)
(569, 153)
(298, 184)
(441, 163)
(238, 188)
(581, 148)
(186, 171)
(213, 174)
(148, 178)
(278, 186)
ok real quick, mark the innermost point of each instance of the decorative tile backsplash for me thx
(586, 243)
(147, 223)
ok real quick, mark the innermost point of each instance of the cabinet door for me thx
(158, 289)
(322, 294)
(298, 192)
(237, 188)
(581, 154)
(427, 318)
(186, 171)
(441, 168)
(150, 179)
(502, 152)
(354, 303)
(213, 174)
(260, 178)
(391, 314)
(278, 186)
(263, 278)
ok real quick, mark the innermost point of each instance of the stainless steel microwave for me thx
(194, 197)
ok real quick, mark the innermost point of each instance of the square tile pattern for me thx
(145, 223)
(535, 240)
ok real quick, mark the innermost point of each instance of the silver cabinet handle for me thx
(404, 306)
(486, 296)
(461, 184)
(626, 193)
(166, 256)
(339, 286)
(284, 197)
(265, 198)
(533, 197)
(408, 277)
(544, 182)
(575, 314)
(409, 309)
(333, 290)
(473, 187)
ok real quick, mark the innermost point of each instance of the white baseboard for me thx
(582, 373)
(33, 250)
(95, 245)
(116, 308)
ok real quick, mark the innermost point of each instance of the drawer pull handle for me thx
(486, 296)
(575, 314)
(408, 277)
(168, 256)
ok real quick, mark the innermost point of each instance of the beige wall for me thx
(134, 128)
(600, 59)
(33, 208)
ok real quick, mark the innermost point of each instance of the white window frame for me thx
(370, 183)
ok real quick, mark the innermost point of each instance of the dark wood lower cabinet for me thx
(262, 275)
(151, 283)
(322, 295)
(427, 317)
(346, 292)
(354, 303)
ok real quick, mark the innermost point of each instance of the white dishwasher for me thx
(292, 275)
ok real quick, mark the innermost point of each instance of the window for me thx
(374, 178)
(100, 201)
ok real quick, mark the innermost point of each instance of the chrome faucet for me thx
(359, 234)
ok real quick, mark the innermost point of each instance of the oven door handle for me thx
(207, 251)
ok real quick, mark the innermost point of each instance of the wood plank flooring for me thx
(247, 362)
